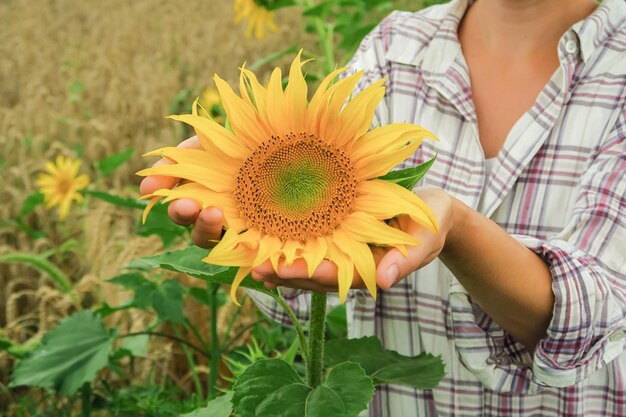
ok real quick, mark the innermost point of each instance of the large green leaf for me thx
(111, 163)
(273, 388)
(166, 298)
(30, 204)
(218, 407)
(409, 177)
(189, 261)
(70, 355)
(386, 366)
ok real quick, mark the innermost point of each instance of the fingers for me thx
(152, 183)
(296, 276)
(183, 211)
(208, 227)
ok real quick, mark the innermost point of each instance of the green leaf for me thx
(218, 407)
(113, 162)
(320, 10)
(385, 366)
(351, 384)
(273, 56)
(70, 355)
(280, 4)
(189, 261)
(287, 401)
(409, 177)
(57, 276)
(30, 204)
(272, 388)
(142, 288)
(168, 301)
(202, 297)
(136, 345)
(117, 200)
(258, 381)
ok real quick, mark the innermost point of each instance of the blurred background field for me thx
(91, 79)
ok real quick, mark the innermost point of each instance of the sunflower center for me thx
(296, 187)
(64, 184)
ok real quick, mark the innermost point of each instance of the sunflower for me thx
(61, 184)
(212, 105)
(258, 17)
(298, 179)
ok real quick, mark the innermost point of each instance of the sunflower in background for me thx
(257, 15)
(298, 179)
(61, 184)
(211, 104)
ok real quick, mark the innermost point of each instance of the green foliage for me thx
(109, 164)
(189, 261)
(218, 407)
(39, 262)
(409, 177)
(273, 388)
(29, 205)
(385, 366)
(117, 200)
(165, 298)
(70, 355)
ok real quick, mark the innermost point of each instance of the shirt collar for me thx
(595, 29)
(436, 52)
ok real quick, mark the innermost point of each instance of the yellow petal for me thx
(385, 200)
(390, 136)
(244, 119)
(268, 246)
(259, 92)
(212, 134)
(318, 100)
(380, 164)
(146, 210)
(275, 110)
(296, 95)
(314, 253)
(356, 117)
(336, 97)
(345, 269)
(228, 255)
(290, 249)
(365, 228)
(361, 256)
(242, 273)
(214, 179)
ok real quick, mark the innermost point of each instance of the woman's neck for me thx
(524, 26)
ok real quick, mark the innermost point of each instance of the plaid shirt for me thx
(558, 186)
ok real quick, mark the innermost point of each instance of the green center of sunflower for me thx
(297, 187)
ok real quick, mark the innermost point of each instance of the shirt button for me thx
(617, 336)
(571, 47)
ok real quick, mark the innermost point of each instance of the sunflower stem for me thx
(315, 356)
(294, 321)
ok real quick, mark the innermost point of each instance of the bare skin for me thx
(511, 50)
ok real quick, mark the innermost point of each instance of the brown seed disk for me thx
(295, 187)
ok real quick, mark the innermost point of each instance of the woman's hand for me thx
(392, 266)
(207, 223)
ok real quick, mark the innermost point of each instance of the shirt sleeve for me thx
(587, 261)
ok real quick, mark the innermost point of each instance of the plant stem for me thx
(192, 365)
(169, 336)
(215, 343)
(315, 356)
(294, 320)
(325, 34)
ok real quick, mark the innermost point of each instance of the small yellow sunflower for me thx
(212, 105)
(258, 17)
(61, 184)
(298, 179)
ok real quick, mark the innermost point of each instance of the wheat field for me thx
(93, 78)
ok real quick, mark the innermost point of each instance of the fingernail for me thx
(392, 274)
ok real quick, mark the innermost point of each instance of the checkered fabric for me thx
(558, 186)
